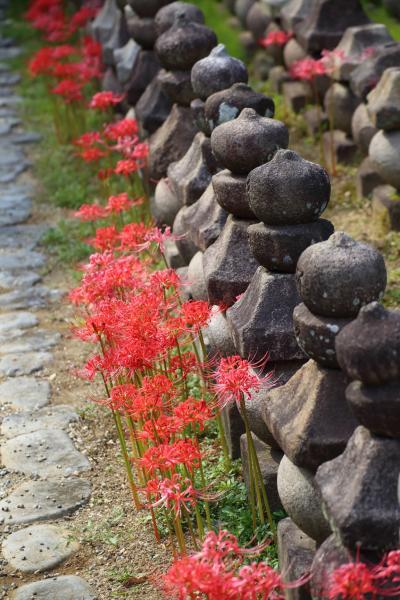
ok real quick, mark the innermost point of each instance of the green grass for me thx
(217, 18)
(379, 14)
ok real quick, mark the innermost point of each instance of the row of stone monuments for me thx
(251, 240)
(350, 102)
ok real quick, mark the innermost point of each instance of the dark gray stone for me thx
(191, 175)
(38, 548)
(294, 12)
(384, 152)
(302, 500)
(144, 70)
(153, 107)
(143, 31)
(118, 37)
(67, 587)
(316, 335)
(277, 77)
(45, 453)
(362, 128)
(369, 347)
(195, 278)
(25, 137)
(337, 277)
(326, 22)
(269, 460)
(278, 248)
(171, 141)
(177, 86)
(354, 484)
(110, 83)
(297, 94)
(205, 219)
(316, 120)
(105, 22)
(340, 104)
(393, 7)
(165, 204)
(165, 17)
(229, 264)
(226, 105)
(217, 72)
(293, 52)
(330, 556)
(343, 147)
(25, 393)
(376, 408)
(357, 44)
(258, 18)
(173, 256)
(296, 552)
(367, 179)
(248, 141)
(197, 107)
(183, 44)
(261, 321)
(365, 77)
(386, 207)
(186, 247)
(309, 416)
(288, 190)
(383, 106)
(231, 194)
(147, 8)
(241, 9)
(125, 59)
(56, 417)
(44, 500)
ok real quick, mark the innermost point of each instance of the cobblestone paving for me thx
(42, 474)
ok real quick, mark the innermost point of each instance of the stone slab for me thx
(21, 259)
(7, 78)
(14, 209)
(54, 417)
(296, 553)
(9, 281)
(44, 500)
(12, 321)
(39, 341)
(45, 453)
(7, 123)
(26, 363)
(20, 236)
(29, 297)
(25, 393)
(38, 548)
(66, 587)
(25, 137)
(10, 53)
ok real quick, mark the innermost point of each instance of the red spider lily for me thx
(307, 69)
(141, 151)
(165, 457)
(167, 278)
(175, 494)
(390, 569)
(90, 212)
(332, 59)
(81, 18)
(91, 66)
(235, 378)
(192, 412)
(105, 100)
(121, 129)
(160, 430)
(126, 167)
(120, 203)
(351, 582)
(258, 581)
(159, 238)
(196, 314)
(106, 238)
(275, 38)
(69, 90)
(44, 62)
(104, 174)
(132, 236)
(191, 578)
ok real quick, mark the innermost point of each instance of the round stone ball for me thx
(384, 151)
(245, 143)
(230, 193)
(339, 276)
(226, 105)
(368, 349)
(184, 44)
(288, 190)
(147, 8)
(166, 16)
(217, 72)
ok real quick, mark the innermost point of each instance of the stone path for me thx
(42, 476)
